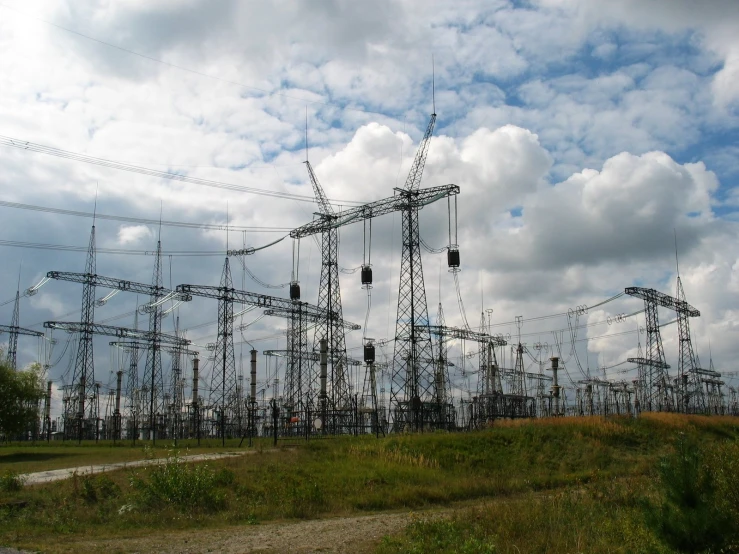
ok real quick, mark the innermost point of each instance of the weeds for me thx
(10, 481)
(700, 502)
(560, 485)
(188, 487)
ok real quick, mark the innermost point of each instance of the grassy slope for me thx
(25, 458)
(558, 470)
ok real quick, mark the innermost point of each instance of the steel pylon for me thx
(153, 376)
(223, 395)
(80, 414)
(412, 383)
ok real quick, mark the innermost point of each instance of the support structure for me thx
(331, 328)
(13, 331)
(84, 373)
(299, 314)
(657, 390)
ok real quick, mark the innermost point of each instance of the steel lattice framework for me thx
(153, 377)
(412, 373)
(176, 385)
(13, 331)
(84, 370)
(299, 374)
(657, 389)
(691, 397)
(412, 390)
(329, 299)
(223, 385)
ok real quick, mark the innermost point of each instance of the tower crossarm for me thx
(311, 356)
(111, 331)
(402, 200)
(283, 305)
(648, 362)
(309, 316)
(465, 334)
(129, 345)
(114, 283)
(20, 331)
(506, 372)
(664, 300)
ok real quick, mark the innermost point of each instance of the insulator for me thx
(452, 258)
(294, 291)
(369, 353)
(366, 275)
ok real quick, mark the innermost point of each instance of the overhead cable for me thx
(59, 153)
(128, 219)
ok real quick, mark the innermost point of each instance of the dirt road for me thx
(336, 535)
(59, 474)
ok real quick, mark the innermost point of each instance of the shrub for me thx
(188, 487)
(10, 481)
(689, 517)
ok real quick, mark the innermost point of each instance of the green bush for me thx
(188, 487)
(689, 517)
(92, 489)
(11, 481)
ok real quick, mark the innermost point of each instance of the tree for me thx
(20, 394)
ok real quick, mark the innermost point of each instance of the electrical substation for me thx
(428, 376)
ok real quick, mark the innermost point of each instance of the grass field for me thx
(559, 485)
(21, 458)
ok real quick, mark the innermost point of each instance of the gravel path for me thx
(336, 535)
(59, 474)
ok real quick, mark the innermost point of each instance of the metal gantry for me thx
(84, 372)
(300, 402)
(412, 373)
(657, 387)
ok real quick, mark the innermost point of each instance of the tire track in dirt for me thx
(334, 535)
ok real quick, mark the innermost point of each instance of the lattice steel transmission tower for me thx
(657, 390)
(153, 377)
(84, 368)
(14, 330)
(329, 299)
(412, 380)
(223, 385)
(412, 374)
(132, 402)
(689, 383)
(299, 313)
(518, 383)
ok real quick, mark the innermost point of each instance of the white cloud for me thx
(580, 115)
(128, 234)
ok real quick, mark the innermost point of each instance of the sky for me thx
(588, 137)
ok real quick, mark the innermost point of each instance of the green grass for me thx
(558, 472)
(42, 456)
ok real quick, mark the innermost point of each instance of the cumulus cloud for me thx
(580, 134)
(133, 233)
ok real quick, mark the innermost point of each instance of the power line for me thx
(64, 248)
(184, 224)
(186, 69)
(59, 153)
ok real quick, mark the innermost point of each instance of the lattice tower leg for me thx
(332, 329)
(13, 334)
(153, 376)
(83, 415)
(412, 381)
(223, 396)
